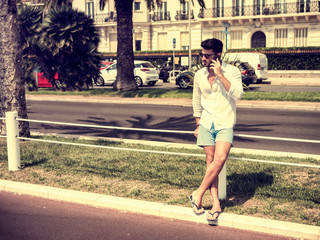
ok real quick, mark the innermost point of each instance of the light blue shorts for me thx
(208, 137)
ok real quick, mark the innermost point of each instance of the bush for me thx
(294, 62)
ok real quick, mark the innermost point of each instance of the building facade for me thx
(250, 23)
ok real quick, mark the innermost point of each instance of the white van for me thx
(258, 61)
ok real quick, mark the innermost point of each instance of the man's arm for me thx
(196, 96)
(233, 85)
(196, 102)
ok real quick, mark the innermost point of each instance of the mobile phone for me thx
(216, 58)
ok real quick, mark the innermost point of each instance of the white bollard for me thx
(222, 187)
(13, 144)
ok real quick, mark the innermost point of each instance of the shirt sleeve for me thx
(236, 88)
(196, 97)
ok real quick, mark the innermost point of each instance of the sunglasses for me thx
(206, 55)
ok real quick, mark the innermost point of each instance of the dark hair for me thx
(215, 44)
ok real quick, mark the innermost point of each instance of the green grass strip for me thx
(256, 189)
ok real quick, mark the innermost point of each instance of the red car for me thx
(45, 83)
(42, 81)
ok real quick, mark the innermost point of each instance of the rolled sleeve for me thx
(236, 89)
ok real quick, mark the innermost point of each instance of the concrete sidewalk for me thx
(294, 81)
(292, 230)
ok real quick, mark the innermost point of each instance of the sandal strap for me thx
(216, 212)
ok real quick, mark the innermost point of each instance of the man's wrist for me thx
(219, 75)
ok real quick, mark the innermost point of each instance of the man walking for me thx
(217, 87)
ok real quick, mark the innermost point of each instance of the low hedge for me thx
(294, 62)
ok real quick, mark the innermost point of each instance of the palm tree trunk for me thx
(125, 66)
(12, 89)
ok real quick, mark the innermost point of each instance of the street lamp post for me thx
(190, 56)
(226, 32)
(174, 65)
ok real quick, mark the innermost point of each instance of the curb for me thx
(268, 226)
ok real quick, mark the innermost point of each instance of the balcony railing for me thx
(160, 16)
(267, 9)
(183, 15)
(252, 10)
(105, 17)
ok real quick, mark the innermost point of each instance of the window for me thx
(281, 6)
(236, 39)
(90, 9)
(184, 40)
(280, 37)
(137, 6)
(239, 8)
(113, 67)
(219, 35)
(162, 41)
(185, 7)
(138, 40)
(163, 11)
(300, 37)
(304, 5)
(113, 42)
(163, 7)
(259, 5)
(219, 9)
(138, 45)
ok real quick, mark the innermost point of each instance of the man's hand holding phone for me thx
(216, 66)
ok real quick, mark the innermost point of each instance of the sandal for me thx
(214, 222)
(193, 204)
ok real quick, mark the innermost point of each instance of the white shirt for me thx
(216, 105)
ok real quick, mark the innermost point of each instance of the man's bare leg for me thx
(216, 157)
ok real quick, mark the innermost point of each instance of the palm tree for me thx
(68, 44)
(125, 76)
(12, 89)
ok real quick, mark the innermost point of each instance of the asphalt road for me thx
(258, 122)
(262, 87)
(25, 217)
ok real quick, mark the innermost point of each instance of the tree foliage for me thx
(70, 40)
(65, 42)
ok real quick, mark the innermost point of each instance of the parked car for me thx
(144, 73)
(248, 75)
(164, 73)
(258, 61)
(43, 82)
(185, 79)
(98, 80)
